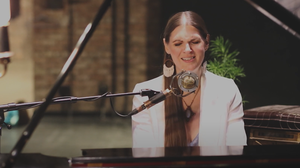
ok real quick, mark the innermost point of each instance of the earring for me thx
(168, 68)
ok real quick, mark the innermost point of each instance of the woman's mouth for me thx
(188, 58)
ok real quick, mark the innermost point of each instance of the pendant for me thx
(188, 113)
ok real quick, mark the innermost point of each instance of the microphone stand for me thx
(71, 99)
(90, 28)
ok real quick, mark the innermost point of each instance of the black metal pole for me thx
(90, 28)
(4, 49)
(4, 42)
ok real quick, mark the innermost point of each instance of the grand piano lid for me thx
(285, 13)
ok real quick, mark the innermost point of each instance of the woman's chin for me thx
(196, 70)
(191, 69)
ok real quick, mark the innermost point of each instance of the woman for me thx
(212, 116)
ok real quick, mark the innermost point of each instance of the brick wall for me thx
(115, 58)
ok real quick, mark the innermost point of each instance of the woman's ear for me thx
(207, 42)
(166, 46)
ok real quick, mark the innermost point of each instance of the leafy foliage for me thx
(223, 62)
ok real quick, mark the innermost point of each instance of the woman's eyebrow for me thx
(176, 40)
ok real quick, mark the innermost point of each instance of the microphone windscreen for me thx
(188, 81)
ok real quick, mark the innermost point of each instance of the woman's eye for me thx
(177, 44)
(196, 42)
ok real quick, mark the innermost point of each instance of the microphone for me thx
(187, 81)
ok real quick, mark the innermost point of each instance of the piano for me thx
(222, 156)
(206, 157)
(285, 13)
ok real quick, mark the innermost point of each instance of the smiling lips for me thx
(188, 59)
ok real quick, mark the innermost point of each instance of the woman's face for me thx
(187, 48)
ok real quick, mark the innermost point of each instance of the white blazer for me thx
(221, 112)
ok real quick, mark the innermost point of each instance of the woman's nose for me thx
(187, 48)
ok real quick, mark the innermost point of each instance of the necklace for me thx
(188, 111)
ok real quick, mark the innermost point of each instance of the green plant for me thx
(223, 62)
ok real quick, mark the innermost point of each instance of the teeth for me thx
(186, 59)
